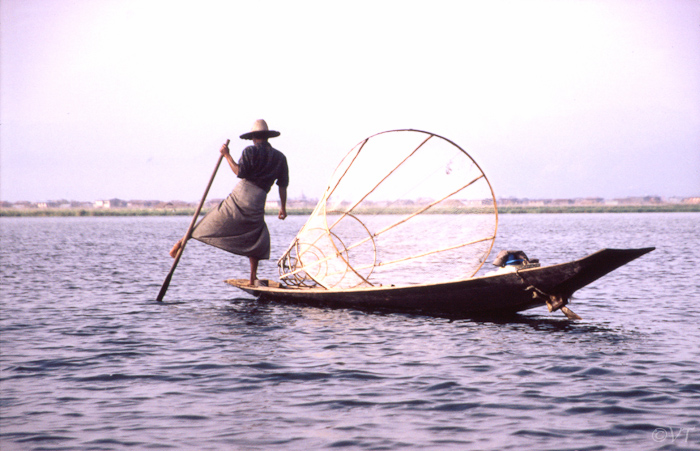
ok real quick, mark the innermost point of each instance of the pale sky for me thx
(554, 99)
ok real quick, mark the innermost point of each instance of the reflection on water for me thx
(91, 361)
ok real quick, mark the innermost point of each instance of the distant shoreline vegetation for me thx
(506, 209)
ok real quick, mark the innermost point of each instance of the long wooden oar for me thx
(166, 283)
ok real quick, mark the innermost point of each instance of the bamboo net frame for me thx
(306, 264)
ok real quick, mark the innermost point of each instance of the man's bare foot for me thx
(259, 283)
(253, 270)
(175, 249)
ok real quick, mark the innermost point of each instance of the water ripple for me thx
(90, 361)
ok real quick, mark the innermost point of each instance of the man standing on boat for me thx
(237, 225)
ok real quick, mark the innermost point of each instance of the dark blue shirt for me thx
(261, 164)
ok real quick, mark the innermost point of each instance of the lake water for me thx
(90, 361)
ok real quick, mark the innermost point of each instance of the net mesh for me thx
(375, 223)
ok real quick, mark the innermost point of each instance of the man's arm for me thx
(283, 202)
(225, 152)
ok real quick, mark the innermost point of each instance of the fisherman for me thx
(237, 225)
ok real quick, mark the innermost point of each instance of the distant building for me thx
(473, 202)
(535, 203)
(590, 201)
(562, 202)
(111, 203)
(510, 201)
(641, 200)
(143, 204)
(24, 204)
(451, 203)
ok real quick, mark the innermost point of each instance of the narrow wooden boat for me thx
(496, 294)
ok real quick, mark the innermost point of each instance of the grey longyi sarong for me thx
(237, 225)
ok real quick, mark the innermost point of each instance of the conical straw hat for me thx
(260, 130)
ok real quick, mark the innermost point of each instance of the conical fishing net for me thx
(377, 222)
